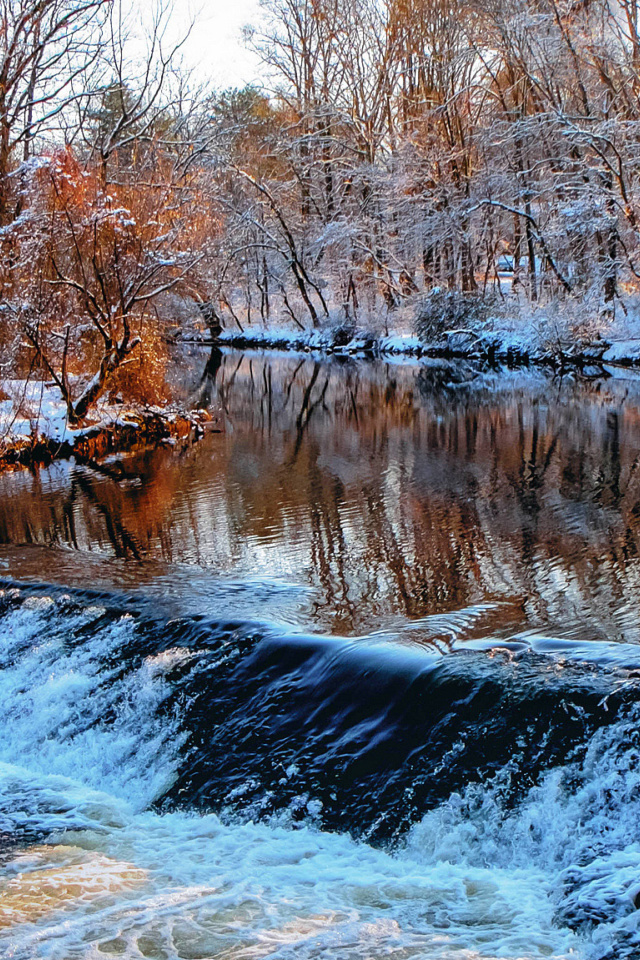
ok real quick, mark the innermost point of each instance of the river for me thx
(358, 677)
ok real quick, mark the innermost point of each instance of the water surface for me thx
(357, 677)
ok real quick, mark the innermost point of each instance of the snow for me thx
(272, 337)
(32, 407)
(323, 341)
(36, 409)
(509, 336)
(623, 350)
(401, 343)
(538, 334)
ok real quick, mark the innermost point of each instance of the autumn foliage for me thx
(86, 261)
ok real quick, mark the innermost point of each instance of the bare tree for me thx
(45, 46)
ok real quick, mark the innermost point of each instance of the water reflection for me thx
(394, 492)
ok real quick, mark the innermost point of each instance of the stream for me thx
(358, 677)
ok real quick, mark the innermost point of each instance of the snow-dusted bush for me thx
(448, 311)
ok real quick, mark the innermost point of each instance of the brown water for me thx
(384, 493)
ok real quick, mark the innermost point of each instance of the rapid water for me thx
(358, 678)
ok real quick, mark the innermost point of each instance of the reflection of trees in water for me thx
(119, 507)
(386, 498)
(124, 543)
(444, 384)
(204, 392)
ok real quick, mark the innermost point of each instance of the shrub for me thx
(446, 311)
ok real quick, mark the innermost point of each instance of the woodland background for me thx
(408, 164)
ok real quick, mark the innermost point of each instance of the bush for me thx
(141, 379)
(445, 311)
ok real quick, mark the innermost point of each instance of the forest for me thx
(415, 166)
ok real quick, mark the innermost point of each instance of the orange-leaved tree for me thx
(88, 261)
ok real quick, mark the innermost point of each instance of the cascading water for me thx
(129, 830)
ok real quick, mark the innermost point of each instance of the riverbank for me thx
(130, 429)
(33, 427)
(507, 342)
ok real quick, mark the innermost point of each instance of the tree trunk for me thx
(110, 362)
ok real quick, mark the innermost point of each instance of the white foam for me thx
(84, 750)
(578, 827)
(65, 711)
(252, 890)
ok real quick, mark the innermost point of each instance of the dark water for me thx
(358, 677)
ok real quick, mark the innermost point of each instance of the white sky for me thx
(215, 47)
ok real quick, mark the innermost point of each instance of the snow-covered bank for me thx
(557, 337)
(33, 416)
(34, 427)
(460, 344)
(504, 345)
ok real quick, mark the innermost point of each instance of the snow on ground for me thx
(323, 341)
(30, 408)
(623, 350)
(507, 337)
(401, 343)
(537, 334)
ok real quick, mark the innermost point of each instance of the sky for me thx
(215, 47)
